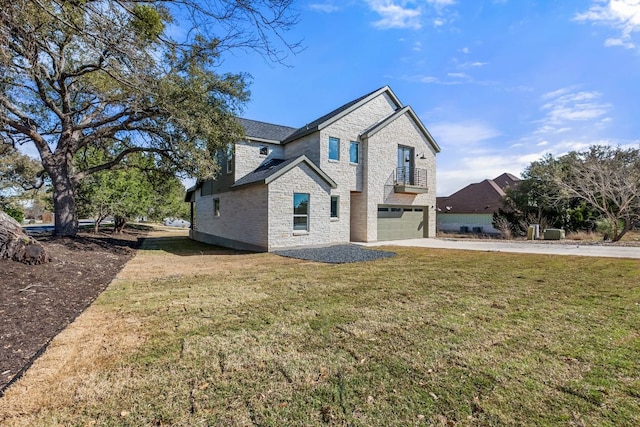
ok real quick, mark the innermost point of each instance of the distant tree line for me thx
(135, 189)
(593, 190)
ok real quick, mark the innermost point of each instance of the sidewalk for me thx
(527, 247)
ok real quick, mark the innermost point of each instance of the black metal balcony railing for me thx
(413, 177)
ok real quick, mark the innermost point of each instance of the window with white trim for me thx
(301, 211)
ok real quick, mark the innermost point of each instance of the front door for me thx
(405, 164)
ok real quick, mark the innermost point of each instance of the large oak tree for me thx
(80, 74)
(605, 179)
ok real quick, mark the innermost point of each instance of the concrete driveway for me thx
(527, 247)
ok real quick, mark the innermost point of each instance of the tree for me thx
(79, 74)
(605, 178)
(598, 187)
(536, 200)
(136, 189)
(20, 178)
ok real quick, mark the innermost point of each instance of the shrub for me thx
(14, 212)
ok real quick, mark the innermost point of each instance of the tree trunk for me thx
(64, 202)
(17, 246)
(118, 224)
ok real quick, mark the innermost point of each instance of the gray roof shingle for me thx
(267, 131)
(313, 126)
(263, 172)
(272, 169)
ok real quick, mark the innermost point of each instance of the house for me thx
(363, 172)
(471, 208)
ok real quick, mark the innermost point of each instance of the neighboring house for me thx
(471, 209)
(364, 172)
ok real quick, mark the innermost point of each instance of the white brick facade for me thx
(260, 216)
(299, 180)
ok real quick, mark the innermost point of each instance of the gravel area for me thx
(336, 254)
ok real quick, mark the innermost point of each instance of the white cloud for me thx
(619, 42)
(476, 64)
(408, 14)
(462, 134)
(452, 78)
(465, 50)
(566, 106)
(395, 15)
(622, 15)
(324, 7)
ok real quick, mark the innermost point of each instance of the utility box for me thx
(553, 234)
(533, 232)
(464, 229)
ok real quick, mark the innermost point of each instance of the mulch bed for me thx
(39, 301)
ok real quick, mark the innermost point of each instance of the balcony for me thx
(410, 180)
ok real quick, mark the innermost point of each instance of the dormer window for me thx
(264, 150)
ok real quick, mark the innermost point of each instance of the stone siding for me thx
(382, 149)
(243, 216)
(308, 145)
(301, 179)
(248, 157)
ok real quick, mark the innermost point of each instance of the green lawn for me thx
(429, 337)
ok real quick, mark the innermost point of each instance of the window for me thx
(335, 203)
(354, 152)
(300, 212)
(264, 150)
(334, 149)
(229, 156)
(216, 207)
(207, 188)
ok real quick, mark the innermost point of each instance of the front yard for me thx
(193, 335)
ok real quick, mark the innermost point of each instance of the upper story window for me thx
(229, 156)
(300, 211)
(264, 150)
(354, 152)
(334, 148)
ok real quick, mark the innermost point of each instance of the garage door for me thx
(400, 222)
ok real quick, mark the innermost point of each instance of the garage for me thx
(400, 222)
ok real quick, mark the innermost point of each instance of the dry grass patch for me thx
(430, 337)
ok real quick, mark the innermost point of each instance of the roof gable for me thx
(506, 180)
(482, 197)
(340, 112)
(275, 168)
(398, 113)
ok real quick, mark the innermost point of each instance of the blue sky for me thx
(498, 83)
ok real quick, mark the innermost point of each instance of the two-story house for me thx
(363, 172)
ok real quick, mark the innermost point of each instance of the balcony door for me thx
(405, 165)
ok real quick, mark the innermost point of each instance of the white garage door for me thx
(400, 222)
